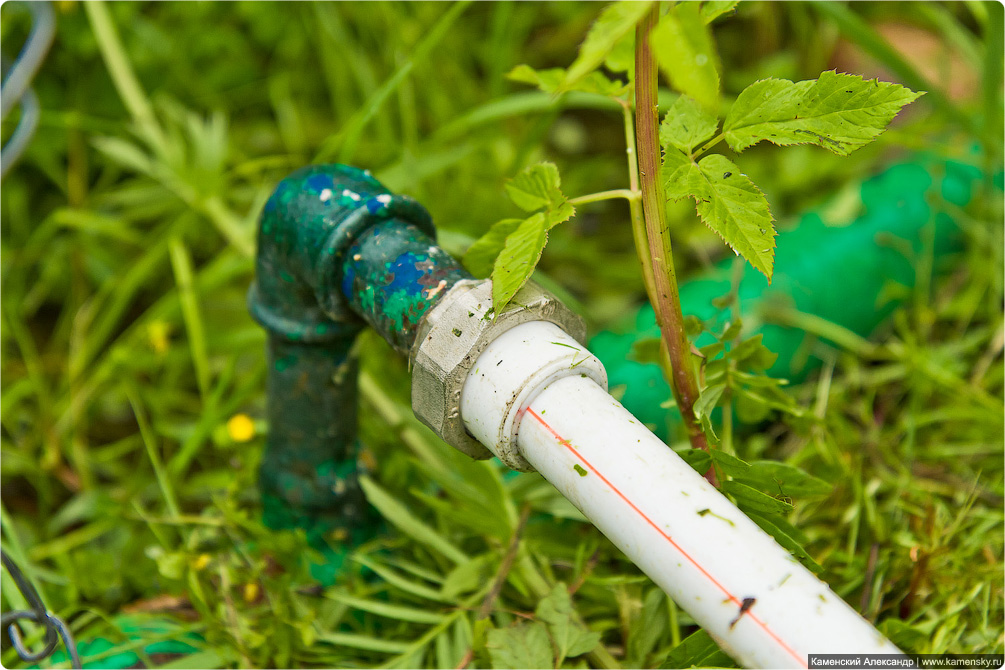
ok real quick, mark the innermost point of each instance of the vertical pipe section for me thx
(317, 218)
(308, 473)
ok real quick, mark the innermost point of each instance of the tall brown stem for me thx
(667, 304)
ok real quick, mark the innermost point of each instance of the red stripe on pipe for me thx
(565, 443)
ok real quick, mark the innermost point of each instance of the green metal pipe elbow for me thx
(336, 251)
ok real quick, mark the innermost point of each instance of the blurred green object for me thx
(841, 274)
(96, 653)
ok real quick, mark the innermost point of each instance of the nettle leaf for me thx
(614, 22)
(713, 9)
(727, 202)
(570, 637)
(686, 125)
(482, 254)
(676, 173)
(523, 646)
(685, 53)
(517, 260)
(551, 80)
(840, 112)
(535, 187)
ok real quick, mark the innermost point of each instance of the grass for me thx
(127, 241)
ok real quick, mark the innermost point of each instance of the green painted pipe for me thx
(836, 273)
(336, 251)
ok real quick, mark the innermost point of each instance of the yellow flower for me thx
(200, 562)
(159, 334)
(250, 592)
(241, 428)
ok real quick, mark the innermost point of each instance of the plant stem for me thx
(667, 304)
(605, 195)
(635, 205)
(708, 145)
(121, 72)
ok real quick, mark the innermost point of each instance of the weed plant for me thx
(133, 377)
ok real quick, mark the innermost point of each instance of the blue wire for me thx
(15, 87)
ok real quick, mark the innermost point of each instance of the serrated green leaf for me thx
(686, 54)
(753, 499)
(727, 202)
(570, 637)
(686, 125)
(783, 479)
(517, 260)
(535, 187)
(697, 650)
(713, 9)
(551, 80)
(398, 514)
(523, 646)
(554, 216)
(614, 22)
(737, 210)
(481, 256)
(840, 112)
(676, 173)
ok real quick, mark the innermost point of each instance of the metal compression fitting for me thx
(338, 251)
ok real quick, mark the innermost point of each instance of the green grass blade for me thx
(399, 515)
(396, 580)
(149, 441)
(343, 144)
(181, 263)
(384, 609)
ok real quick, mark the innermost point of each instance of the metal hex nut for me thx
(452, 336)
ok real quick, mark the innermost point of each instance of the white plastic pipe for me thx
(757, 601)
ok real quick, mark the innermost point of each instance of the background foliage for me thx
(132, 377)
